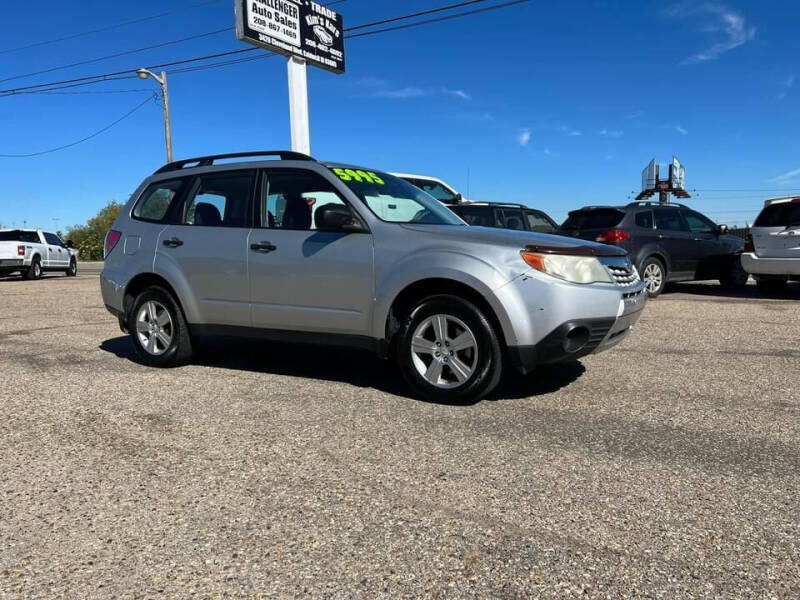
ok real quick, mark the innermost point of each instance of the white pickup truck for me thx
(30, 252)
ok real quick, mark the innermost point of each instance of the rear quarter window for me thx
(645, 219)
(156, 201)
(596, 218)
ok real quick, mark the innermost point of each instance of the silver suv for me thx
(772, 253)
(303, 251)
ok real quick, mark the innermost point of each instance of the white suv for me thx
(772, 254)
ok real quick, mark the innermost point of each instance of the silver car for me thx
(772, 254)
(303, 251)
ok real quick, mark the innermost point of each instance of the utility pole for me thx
(162, 81)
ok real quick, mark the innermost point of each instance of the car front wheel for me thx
(654, 276)
(72, 271)
(158, 330)
(449, 351)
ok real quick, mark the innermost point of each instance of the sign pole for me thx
(298, 105)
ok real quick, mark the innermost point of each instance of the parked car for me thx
(666, 242)
(298, 250)
(505, 216)
(444, 193)
(30, 252)
(772, 253)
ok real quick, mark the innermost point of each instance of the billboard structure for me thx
(674, 185)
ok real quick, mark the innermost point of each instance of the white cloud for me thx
(524, 138)
(400, 93)
(548, 152)
(723, 22)
(457, 94)
(575, 133)
(787, 84)
(612, 133)
(681, 130)
(789, 177)
(380, 88)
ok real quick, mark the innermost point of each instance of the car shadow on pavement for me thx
(354, 367)
(717, 291)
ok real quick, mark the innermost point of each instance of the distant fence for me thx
(741, 232)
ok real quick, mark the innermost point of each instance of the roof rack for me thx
(652, 203)
(207, 161)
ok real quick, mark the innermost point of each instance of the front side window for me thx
(435, 189)
(477, 216)
(290, 200)
(698, 223)
(220, 200)
(394, 200)
(156, 200)
(669, 220)
(539, 222)
(53, 239)
(511, 218)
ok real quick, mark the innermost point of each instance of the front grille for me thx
(624, 276)
(598, 332)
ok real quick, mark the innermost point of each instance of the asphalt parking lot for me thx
(667, 468)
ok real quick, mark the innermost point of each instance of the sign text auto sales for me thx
(300, 28)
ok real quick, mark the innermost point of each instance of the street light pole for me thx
(162, 81)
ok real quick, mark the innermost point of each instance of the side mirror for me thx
(337, 218)
(69, 244)
(722, 229)
(459, 198)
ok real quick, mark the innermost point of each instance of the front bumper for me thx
(756, 265)
(580, 337)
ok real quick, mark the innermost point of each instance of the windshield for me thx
(601, 218)
(395, 200)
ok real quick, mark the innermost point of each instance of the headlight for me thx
(576, 269)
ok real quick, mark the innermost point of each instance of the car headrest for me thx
(207, 214)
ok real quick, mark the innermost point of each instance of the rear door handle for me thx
(173, 243)
(264, 247)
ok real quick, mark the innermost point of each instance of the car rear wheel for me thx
(772, 285)
(654, 276)
(448, 351)
(159, 332)
(736, 277)
(34, 271)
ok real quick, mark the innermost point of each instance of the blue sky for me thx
(551, 104)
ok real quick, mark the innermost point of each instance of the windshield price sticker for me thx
(359, 176)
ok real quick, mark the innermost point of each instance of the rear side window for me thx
(220, 200)
(477, 216)
(539, 222)
(511, 218)
(596, 218)
(644, 219)
(779, 215)
(156, 200)
(670, 220)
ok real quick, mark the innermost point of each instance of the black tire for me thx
(485, 361)
(72, 270)
(656, 267)
(736, 277)
(179, 350)
(772, 285)
(34, 271)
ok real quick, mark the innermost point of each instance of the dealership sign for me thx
(300, 28)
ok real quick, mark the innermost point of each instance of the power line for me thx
(107, 76)
(109, 27)
(152, 96)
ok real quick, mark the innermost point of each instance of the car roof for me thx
(501, 204)
(781, 200)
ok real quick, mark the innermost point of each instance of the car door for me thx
(302, 279)
(206, 247)
(674, 236)
(710, 251)
(55, 252)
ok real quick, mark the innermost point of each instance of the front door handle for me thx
(263, 247)
(173, 243)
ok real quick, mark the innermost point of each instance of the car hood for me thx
(510, 238)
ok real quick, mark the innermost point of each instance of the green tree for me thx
(89, 238)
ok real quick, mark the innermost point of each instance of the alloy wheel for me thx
(154, 328)
(653, 278)
(444, 351)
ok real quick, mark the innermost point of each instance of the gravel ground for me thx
(667, 468)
